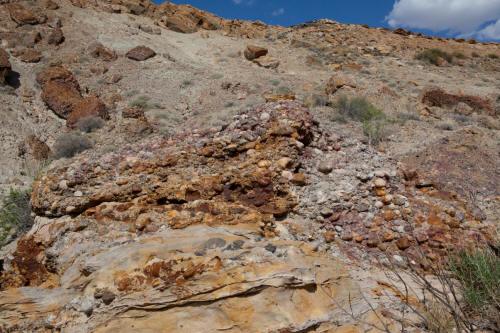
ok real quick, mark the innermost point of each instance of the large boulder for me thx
(89, 107)
(140, 53)
(5, 65)
(60, 90)
(21, 15)
(434, 96)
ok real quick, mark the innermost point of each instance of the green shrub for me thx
(68, 145)
(358, 109)
(475, 55)
(275, 82)
(186, 83)
(478, 272)
(229, 104)
(459, 55)
(15, 214)
(283, 90)
(141, 102)
(90, 124)
(432, 55)
(375, 130)
(493, 56)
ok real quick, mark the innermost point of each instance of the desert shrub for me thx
(217, 76)
(229, 104)
(275, 82)
(478, 272)
(186, 83)
(68, 145)
(283, 90)
(35, 168)
(475, 55)
(314, 100)
(90, 124)
(358, 108)
(15, 214)
(141, 102)
(459, 55)
(493, 56)
(446, 125)
(375, 130)
(432, 55)
(131, 93)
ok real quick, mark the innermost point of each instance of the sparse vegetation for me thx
(15, 215)
(375, 130)
(90, 124)
(35, 168)
(229, 104)
(275, 82)
(459, 55)
(283, 90)
(475, 55)
(217, 76)
(143, 103)
(432, 56)
(493, 56)
(68, 145)
(186, 83)
(478, 272)
(131, 93)
(315, 100)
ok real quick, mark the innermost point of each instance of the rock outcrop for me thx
(140, 53)
(182, 232)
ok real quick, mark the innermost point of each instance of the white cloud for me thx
(464, 17)
(279, 12)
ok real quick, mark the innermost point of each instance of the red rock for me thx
(31, 56)
(56, 37)
(60, 97)
(438, 97)
(253, 52)
(21, 15)
(140, 53)
(90, 106)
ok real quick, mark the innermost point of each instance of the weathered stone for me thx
(140, 53)
(104, 53)
(403, 243)
(4, 65)
(39, 149)
(299, 179)
(90, 106)
(21, 15)
(56, 37)
(60, 97)
(31, 56)
(338, 81)
(325, 167)
(267, 62)
(253, 52)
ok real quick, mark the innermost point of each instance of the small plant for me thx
(493, 56)
(432, 56)
(375, 130)
(186, 83)
(141, 102)
(15, 214)
(77, 71)
(233, 55)
(459, 55)
(90, 124)
(315, 100)
(475, 55)
(478, 272)
(283, 90)
(358, 109)
(446, 125)
(275, 82)
(229, 104)
(35, 168)
(131, 93)
(217, 76)
(68, 145)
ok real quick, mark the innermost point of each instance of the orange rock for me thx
(403, 243)
(275, 98)
(299, 179)
(253, 52)
(329, 236)
(381, 192)
(433, 219)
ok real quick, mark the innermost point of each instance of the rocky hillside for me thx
(189, 173)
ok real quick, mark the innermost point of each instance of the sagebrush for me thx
(68, 145)
(15, 215)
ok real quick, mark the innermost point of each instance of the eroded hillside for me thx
(189, 173)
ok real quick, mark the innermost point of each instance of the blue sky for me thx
(479, 19)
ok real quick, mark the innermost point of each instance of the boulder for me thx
(39, 149)
(338, 81)
(31, 56)
(4, 65)
(140, 53)
(56, 37)
(180, 24)
(51, 5)
(253, 52)
(434, 96)
(90, 106)
(97, 50)
(60, 90)
(21, 15)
